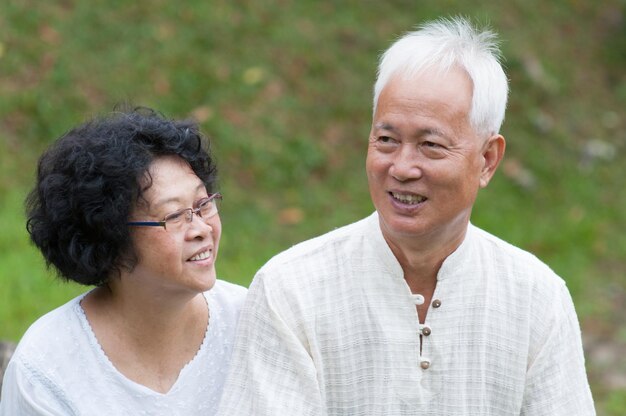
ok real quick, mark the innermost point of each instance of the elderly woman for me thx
(127, 203)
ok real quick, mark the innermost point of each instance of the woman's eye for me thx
(175, 216)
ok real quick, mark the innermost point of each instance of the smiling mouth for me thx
(201, 256)
(410, 199)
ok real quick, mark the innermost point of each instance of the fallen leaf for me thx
(202, 113)
(290, 216)
(514, 170)
(253, 75)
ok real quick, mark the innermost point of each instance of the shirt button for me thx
(418, 299)
(426, 331)
(425, 364)
(436, 303)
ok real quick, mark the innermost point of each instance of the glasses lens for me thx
(175, 220)
(208, 208)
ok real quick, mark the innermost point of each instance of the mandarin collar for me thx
(450, 266)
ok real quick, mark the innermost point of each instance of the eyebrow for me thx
(384, 126)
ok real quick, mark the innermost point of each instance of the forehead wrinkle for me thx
(420, 132)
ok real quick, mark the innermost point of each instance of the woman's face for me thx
(174, 259)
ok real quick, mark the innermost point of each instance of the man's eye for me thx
(433, 150)
(386, 140)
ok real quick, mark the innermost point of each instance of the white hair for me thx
(447, 43)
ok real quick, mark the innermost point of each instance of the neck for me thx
(146, 319)
(422, 257)
(148, 335)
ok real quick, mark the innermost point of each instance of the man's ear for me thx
(492, 154)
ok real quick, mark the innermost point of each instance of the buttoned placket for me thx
(424, 329)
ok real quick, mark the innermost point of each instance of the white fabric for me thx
(59, 368)
(330, 328)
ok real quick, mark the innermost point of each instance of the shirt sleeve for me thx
(23, 394)
(556, 382)
(271, 372)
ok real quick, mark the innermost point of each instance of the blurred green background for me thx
(284, 90)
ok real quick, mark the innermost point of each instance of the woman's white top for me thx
(59, 368)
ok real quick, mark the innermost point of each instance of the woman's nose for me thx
(200, 227)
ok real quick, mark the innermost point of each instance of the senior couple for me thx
(410, 311)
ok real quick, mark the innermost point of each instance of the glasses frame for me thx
(192, 211)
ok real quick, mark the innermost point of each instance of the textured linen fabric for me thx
(330, 328)
(59, 368)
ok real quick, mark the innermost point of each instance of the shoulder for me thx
(226, 289)
(506, 252)
(516, 265)
(326, 247)
(301, 277)
(54, 325)
(47, 352)
(228, 297)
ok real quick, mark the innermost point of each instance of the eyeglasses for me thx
(207, 208)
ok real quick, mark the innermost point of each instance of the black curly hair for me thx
(89, 180)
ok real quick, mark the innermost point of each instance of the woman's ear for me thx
(492, 154)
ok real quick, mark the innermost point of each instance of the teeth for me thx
(408, 198)
(201, 256)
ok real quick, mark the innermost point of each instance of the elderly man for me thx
(414, 310)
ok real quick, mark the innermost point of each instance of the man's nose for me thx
(406, 163)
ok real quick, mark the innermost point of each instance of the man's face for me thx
(425, 163)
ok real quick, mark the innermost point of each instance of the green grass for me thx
(284, 90)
